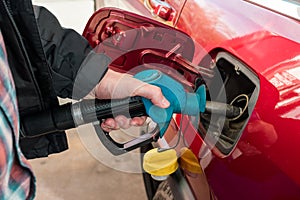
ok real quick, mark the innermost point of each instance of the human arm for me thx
(70, 57)
(77, 69)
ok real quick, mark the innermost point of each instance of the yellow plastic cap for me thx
(189, 161)
(160, 163)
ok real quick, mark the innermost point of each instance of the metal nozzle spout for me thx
(223, 109)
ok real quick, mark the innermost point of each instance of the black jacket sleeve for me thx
(76, 68)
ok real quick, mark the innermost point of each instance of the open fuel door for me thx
(132, 40)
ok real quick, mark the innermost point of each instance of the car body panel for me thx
(264, 163)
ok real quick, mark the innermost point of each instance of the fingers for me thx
(109, 125)
(116, 85)
(138, 121)
(153, 93)
(121, 122)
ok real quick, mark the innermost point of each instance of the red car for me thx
(253, 47)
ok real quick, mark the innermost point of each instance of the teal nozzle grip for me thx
(180, 100)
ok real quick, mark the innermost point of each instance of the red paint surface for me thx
(268, 160)
(265, 162)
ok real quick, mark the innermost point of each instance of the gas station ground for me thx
(76, 174)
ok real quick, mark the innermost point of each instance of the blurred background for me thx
(78, 173)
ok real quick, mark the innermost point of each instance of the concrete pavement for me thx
(76, 174)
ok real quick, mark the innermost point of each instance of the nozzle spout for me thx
(223, 109)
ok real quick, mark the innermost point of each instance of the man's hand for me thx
(117, 85)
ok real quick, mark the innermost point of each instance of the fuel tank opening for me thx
(230, 103)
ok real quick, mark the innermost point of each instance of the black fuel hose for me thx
(70, 115)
